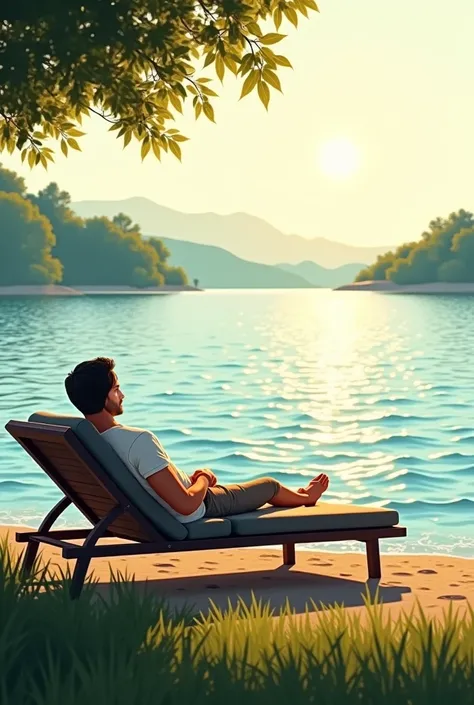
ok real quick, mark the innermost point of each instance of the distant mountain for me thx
(216, 268)
(244, 235)
(319, 276)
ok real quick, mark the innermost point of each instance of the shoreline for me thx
(58, 290)
(435, 582)
(388, 287)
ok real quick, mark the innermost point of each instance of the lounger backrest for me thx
(86, 483)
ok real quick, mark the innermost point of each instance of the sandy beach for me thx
(329, 578)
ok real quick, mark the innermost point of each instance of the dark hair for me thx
(88, 385)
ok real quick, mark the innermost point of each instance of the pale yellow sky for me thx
(394, 78)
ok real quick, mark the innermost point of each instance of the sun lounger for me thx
(92, 477)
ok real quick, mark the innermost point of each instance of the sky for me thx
(393, 79)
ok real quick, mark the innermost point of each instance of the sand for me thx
(330, 578)
(58, 290)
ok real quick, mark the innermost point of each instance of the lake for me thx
(375, 390)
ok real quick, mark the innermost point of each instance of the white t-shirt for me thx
(143, 454)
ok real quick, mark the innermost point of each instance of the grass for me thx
(131, 649)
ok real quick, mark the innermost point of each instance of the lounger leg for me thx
(83, 561)
(30, 557)
(33, 546)
(79, 575)
(373, 558)
(289, 554)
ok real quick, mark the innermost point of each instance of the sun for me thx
(339, 158)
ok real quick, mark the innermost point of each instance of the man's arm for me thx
(173, 492)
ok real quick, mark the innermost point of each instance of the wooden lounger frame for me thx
(85, 484)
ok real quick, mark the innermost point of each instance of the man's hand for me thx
(207, 473)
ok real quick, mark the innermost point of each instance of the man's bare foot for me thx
(315, 489)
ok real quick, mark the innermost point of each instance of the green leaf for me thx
(277, 17)
(145, 147)
(231, 64)
(208, 91)
(75, 133)
(208, 111)
(209, 59)
(23, 155)
(175, 102)
(44, 162)
(271, 78)
(175, 148)
(282, 61)
(299, 4)
(180, 138)
(247, 63)
(220, 67)
(63, 148)
(31, 158)
(290, 13)
(127, 138)
(311, 4)
(271, 38)
(264, 93)
(253, 28)
(156, 149)
(197, 109)
(250, 83)
(72, 143)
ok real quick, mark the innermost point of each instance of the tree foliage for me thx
(445, 253)
(133, 62)
(43, 242)
(26, 242)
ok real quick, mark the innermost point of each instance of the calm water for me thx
(375, 390)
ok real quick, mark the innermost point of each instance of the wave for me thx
(15, 485)
(422, 507)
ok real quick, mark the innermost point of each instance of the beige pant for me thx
(225, 500)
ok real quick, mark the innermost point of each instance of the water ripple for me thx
(375, 391)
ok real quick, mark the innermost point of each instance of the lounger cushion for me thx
(98, 447)
(322, 517)
(208, 528)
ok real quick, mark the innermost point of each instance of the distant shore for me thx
(389, 287)
(56, 290)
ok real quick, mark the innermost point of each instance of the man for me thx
(94, 389)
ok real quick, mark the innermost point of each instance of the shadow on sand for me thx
(272, 586)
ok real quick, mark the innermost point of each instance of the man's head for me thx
(93, 387)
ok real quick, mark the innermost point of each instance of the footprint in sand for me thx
(401, 573)
(425, 588)
(317, 561)
(164, 565)
(355, 565)
(163, 571)
(210, 563)
(204, 567)
(428, 571)
(345, 575)
(454, 585)
(452, 597)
